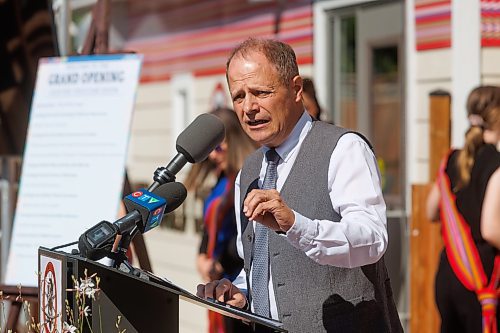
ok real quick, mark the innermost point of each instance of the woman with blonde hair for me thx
(218, 257)
(467, 195)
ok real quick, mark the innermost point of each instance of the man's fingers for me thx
(222, 288)
(256, 212)
(216, 289)
(210, 289)
(261, 209)
(256, 197)
(200, 290)
(251, 201)
(223, 291)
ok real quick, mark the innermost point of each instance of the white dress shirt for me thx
(360, 238)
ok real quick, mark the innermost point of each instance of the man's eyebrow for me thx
(262, 86)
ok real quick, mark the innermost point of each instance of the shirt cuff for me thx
(302, 232)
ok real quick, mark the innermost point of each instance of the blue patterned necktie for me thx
(260, 268)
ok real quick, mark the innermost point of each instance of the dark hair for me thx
(309, 90)
(483, 103)
(279, 54)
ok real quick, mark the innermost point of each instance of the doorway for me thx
(366, 94)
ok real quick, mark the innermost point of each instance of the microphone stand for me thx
(162, 176)
(120, 256)
(167, 174)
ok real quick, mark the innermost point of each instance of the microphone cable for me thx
(64, 245)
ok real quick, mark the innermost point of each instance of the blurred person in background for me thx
(309, 99)
(218, 257)
(467, 194)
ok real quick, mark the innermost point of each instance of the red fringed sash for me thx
(463, 255)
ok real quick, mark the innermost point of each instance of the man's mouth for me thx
(257, 122)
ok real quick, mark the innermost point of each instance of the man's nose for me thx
(250, 104)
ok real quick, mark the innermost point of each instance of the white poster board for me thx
(74, 159)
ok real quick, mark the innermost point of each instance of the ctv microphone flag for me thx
(150, 205)
(146, 212)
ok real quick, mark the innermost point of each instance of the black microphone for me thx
(145, 211)
(193, 145)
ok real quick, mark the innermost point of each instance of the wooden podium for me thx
(142, 301)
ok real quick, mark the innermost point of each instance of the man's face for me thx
(267, 109)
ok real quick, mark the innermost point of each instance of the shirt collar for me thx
(297, 135)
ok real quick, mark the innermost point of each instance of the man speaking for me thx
(309, 207)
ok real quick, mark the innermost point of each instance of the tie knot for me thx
(272, 156)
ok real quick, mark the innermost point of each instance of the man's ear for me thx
(297, 88)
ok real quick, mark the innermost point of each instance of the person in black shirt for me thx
(474, 174)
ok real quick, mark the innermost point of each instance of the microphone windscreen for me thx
(200, 137)
(175, 193)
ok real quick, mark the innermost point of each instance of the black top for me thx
(469, 199)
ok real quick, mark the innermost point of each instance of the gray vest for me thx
(312, 297)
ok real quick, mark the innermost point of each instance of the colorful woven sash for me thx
(217, 209)
(463, 255)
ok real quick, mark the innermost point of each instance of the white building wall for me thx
(490, 66)
(433, 72)
(466, 50)
(205, 87)
(150, 137)
(159, 117)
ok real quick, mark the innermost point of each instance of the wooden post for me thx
(102, 26)
(439, 129)
(425, 246)
(97, 39)
(425, 237)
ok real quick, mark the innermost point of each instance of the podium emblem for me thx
(50, 297)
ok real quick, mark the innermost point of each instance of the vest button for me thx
(275, 254)
(249, 238)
